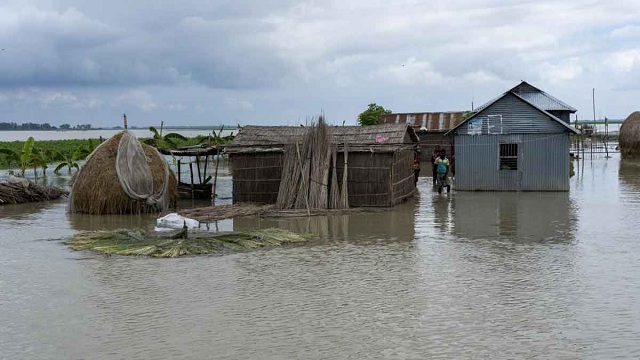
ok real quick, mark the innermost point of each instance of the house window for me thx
(508, 156)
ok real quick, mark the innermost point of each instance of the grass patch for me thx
(139, 243)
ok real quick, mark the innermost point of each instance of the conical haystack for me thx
(629, 139)
(98, 187)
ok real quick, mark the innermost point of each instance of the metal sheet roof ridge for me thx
(569, 107)
(569, 127)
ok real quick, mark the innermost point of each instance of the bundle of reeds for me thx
(27, 191)
(629, 138)
(220, 212)
(309, 175)
(137, 242)
(97, 189)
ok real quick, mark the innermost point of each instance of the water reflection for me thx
(548, 216)
(27, 211)
(362, 228)
(84, 222)
(629, 174)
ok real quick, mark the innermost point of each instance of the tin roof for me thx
(535, 97)
(440, 121)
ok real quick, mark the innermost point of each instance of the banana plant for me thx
(26, 154)
(216, 138)
(24, 158)
(169, 140)
(70, 159)
(11, 157)
(40, 159)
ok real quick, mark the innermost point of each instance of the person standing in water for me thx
(442, 168)
(434, 156)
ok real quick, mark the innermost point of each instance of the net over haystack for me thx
(629, 139)
(123, 176)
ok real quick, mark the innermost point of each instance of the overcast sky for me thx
(197, 62)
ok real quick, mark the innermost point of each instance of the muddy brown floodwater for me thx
(469, 275)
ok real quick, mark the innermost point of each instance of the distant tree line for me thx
(46, 126)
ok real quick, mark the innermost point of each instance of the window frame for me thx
(508, 157)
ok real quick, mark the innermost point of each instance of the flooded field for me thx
(465, 275)
(95, 134)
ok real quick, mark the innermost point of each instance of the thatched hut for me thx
(120, 163)
(380, 162)
(629, 138)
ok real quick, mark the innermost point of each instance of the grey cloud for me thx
(68, 48)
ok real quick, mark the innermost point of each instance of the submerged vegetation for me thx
(37, 155)
(137, 242)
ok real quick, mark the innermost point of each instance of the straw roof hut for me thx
(97, 189)
(629, 138)
(380, 162)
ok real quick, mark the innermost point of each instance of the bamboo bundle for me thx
(309, 177)
(320, 148)
(26, 192)
(289, 183)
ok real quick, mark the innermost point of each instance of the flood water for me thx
(465, 275)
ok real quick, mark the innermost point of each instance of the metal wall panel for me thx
(543, 163)
(518, 117)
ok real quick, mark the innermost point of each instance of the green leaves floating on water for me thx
(137, 242)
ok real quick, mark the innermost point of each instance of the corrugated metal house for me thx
(380, 162)
(429, 126)
(514, 144)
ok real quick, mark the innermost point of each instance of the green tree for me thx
(371, 115)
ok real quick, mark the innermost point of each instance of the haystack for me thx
(629, 139)
(99, 187)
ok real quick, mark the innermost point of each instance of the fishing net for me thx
(135, 174)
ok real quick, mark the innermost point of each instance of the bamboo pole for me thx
(306, 193)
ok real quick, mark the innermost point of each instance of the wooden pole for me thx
(198, 167)
(206, 161)
(125, 121)
(215, 179)
(606, 135)
(191, 174)
(593, 99)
